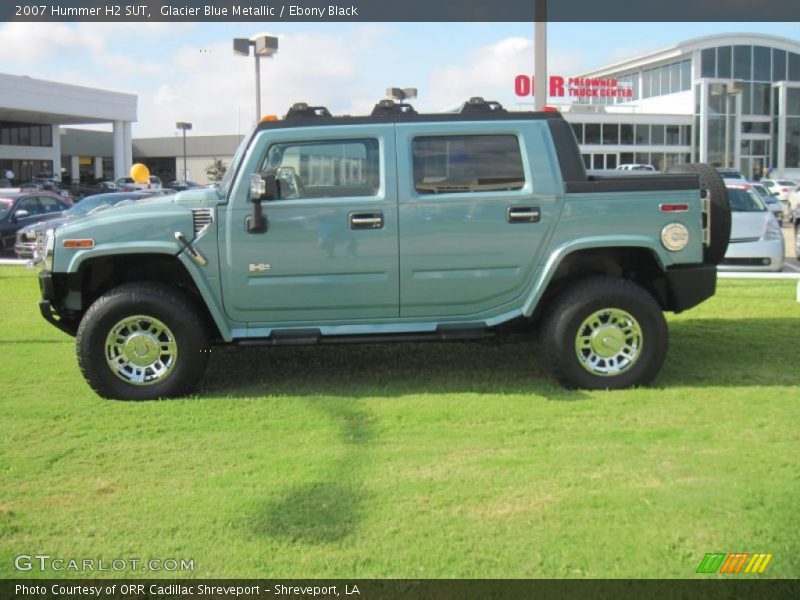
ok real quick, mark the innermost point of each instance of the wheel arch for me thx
(95, 275)
(635, 259)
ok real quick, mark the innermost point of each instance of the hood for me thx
(749, 225)
(198, 196)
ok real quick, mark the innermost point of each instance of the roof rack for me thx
(301, 110)
(476, 104)
(390, 107)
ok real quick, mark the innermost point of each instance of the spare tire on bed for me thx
(720, 217)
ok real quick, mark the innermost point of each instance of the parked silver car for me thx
(756, 239)
(25, 244)
(773, 204)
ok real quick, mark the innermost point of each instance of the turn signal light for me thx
(78, 243)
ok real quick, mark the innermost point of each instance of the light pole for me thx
(401, 94)
(540, 82)
(184, 126)
(263, 45)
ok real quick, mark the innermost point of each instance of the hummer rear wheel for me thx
(604, 333)
(142, 341)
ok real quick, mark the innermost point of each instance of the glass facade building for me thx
(740, 92)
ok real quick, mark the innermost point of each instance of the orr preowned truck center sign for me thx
(576, 87)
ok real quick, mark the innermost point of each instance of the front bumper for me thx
(762, 255)
(49, 306)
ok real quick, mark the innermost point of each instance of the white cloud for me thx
(212, 88)
(489, 72)
(34, 43)
(215, 90)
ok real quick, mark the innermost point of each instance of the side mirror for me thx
(21, 214)
(264, 187)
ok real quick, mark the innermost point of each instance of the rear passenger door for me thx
(475, 206)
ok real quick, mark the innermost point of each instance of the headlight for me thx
(773, 231)
(675, 237)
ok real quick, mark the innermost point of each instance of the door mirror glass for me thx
(264, 187)
(21, 214)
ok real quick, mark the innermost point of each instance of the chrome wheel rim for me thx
(141, 350)
(608, 342)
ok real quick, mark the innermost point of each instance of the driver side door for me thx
(330, 251)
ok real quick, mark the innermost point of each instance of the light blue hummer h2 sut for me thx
(393, 226)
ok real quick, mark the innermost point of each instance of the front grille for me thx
(744, 240)
(202, 218)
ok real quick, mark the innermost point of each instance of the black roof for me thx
(475, 109)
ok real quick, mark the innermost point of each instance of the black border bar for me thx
(734, 588)
(265, 11)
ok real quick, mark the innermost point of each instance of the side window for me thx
(325, 169)
(467, 163)
(31, 204)
(49, 204)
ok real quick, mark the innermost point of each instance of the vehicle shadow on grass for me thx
(326, 511)
(334, 379)
(702, 352)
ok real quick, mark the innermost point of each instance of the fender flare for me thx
(544, 274)
(167, 249)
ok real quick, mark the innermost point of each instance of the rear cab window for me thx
(467, 163)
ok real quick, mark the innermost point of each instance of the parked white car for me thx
(127, 184)
(635, 167)
(780, 188)
(756, 242)
(732, 175)
(794, 204)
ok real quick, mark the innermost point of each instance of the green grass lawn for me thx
(441, 460)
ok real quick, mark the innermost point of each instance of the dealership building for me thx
(731, 100)
(32, 112)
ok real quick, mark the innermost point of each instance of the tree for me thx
(216, 170)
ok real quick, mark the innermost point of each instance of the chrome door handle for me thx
(524, 214)
(373, 220)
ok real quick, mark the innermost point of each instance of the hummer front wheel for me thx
(142, 341)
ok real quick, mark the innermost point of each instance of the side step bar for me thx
(307, 337)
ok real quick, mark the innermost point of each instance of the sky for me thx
(188, 72)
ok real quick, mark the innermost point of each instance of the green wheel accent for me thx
(141, 350)
(608, 342)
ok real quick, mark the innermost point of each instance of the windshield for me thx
(784, 182)
(85, 206)
(227, 179)
(745, 201)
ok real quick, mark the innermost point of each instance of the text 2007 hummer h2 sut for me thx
(393, 226)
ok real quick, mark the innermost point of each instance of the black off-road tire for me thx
(566, 316)
(180, 315)
(711, 180)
